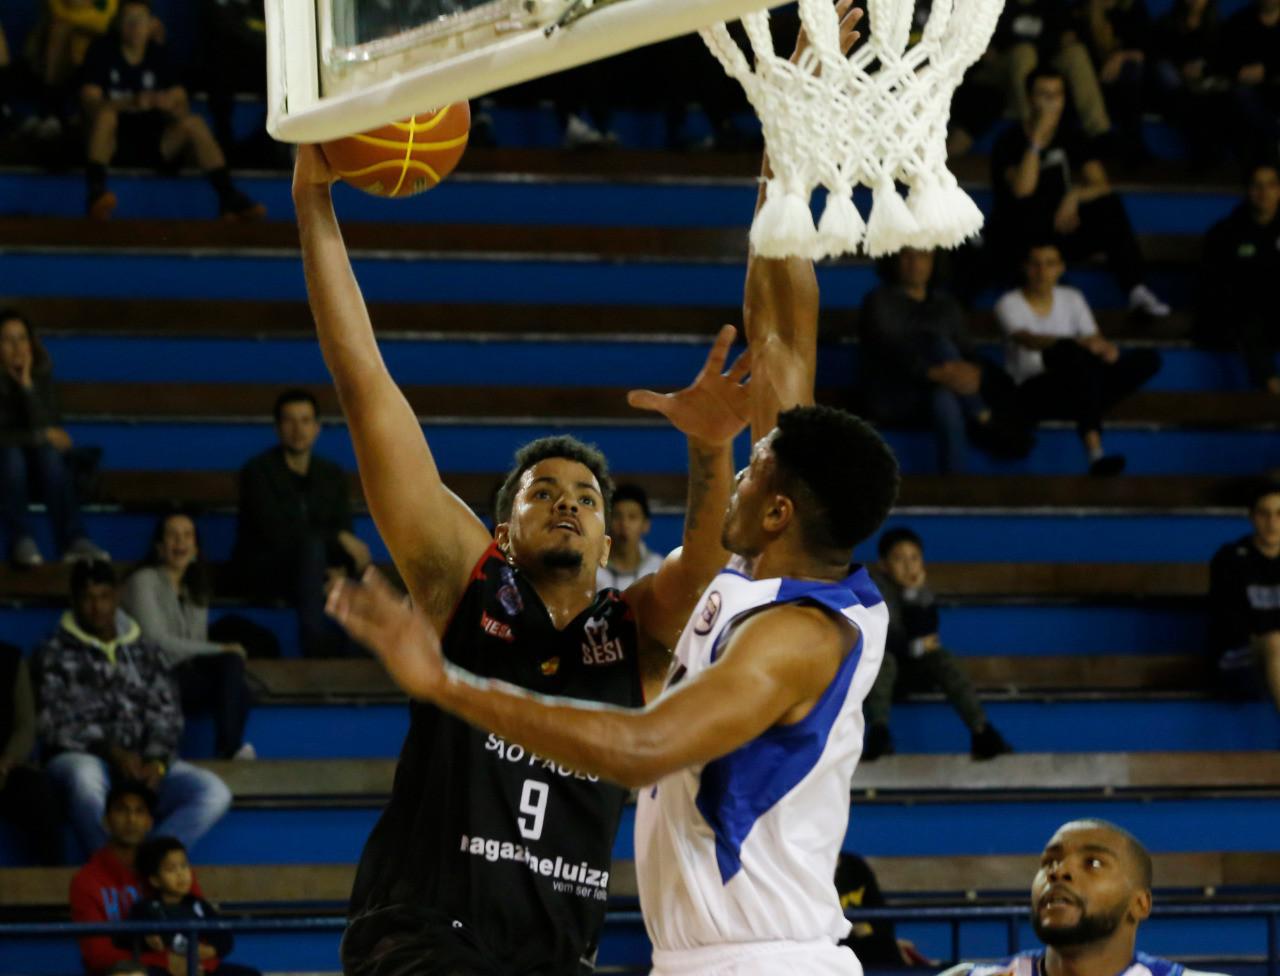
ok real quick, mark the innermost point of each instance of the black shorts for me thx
(405, 941)
(138, 136)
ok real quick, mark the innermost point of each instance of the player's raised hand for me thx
(715, 407)
(382, 620)
(311, 168)
(850, 16)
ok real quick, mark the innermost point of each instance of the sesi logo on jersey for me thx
(600, 648)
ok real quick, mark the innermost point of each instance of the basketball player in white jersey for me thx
(1090, 895)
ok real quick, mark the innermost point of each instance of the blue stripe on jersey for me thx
(737, 789)
(1159, 967)
(834, 596)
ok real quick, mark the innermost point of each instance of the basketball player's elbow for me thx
(642, 754)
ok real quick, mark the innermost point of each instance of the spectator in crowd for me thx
(874, 943)
(1118, 32)
(295, 526)
(163, 865)
(108, 710)
(66, 33)
(139, 114)
(919, 367)
(1244, 603)
(1185, 50)
(629, 525)
(1251, 62)
(26, 800)
(1037, 35)
(915, 659)
(34, 445)
(106, 888)
(168, 595)
(1063, 366)
(1089, 896)
(1049, 185)
(234, 36)
(1240, 268)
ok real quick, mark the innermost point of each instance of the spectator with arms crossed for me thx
(1090, 895)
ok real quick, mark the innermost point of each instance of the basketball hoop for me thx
(875, 118)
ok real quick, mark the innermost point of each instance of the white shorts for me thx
(819, 958)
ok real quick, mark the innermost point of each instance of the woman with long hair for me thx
(168, 594)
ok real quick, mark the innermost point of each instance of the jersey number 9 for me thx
(533, 802)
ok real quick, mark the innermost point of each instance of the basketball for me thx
(403, 158)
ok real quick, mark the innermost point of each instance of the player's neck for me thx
(780, 559)
(1110, 958)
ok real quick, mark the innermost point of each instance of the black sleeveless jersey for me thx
(511, 846)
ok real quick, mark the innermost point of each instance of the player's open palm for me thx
(382, 620)
(716, 406)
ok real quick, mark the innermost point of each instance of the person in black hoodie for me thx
(1241, 263)
(1244, 603)
(162, 864)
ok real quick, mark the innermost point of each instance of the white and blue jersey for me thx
(1032, 964)
(743, 849)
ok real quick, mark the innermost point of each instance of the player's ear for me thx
(502, 536)
(608, 548)
(778, 514)
(1140, 905)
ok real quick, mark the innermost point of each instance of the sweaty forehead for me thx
(562, 470)
(1075, 837)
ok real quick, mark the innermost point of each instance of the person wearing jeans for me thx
(108, 711)
(33, 447)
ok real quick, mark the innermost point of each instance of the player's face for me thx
(298, 427)
(128, 821)
(627, 523)
(743, 531)
(557, 518)
(174, 876)
(1266, 519)
(905, 565)
(1085, 888)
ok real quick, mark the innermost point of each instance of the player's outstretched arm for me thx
(773, 669)
(433, 536)
(710, 412)
(780, 301)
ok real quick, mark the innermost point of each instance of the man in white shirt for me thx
(1064, 368)
(629, 524)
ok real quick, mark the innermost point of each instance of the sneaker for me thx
(581, 134)
(239, 206)
(1107, 466)
(84, 550)
(1143, 299)
(25, 553)
(246, 751)
(878, 742)
(987, 743)
(102, 206)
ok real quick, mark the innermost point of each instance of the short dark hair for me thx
(630, 492)
(294, 395)
(896, 537)
(558, 446)
(1137, 850)
(844, 474)
(87, 572)
(1260, 491)
(151, 854)
(130, 787)
(1043, 72)
(1039, 244)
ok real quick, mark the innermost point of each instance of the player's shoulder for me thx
(1145, 965)
(1023, 964)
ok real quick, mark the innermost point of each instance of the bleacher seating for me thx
(1074, 603)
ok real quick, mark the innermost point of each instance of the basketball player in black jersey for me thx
(490, 859)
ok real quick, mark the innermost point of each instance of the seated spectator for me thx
(108, 710)
(67, 31)
(915, 659)
(1185, 50)
(106, 888)
(1117, 32)
(1049, 185)
(139, 114)
(1244, 603)
(163, 865)
(1037, 35)
(295, 526)
(1240, 267)
(1064, 368)
(168, 595)
(874, 943)
(919, 367)
(26, 800)
(629, 525)
(34, 446)
(1251, 62)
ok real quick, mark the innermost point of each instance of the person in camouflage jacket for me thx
(109, 711)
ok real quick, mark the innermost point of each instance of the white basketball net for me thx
(873, 118)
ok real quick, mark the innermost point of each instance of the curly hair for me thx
(559, 446)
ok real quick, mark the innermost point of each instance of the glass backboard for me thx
(336, 67)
